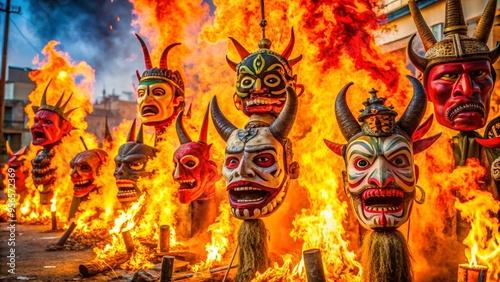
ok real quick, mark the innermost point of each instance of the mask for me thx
(194, 171)
(84, 168)
(258, 162)
(16, 162)
(131, 162)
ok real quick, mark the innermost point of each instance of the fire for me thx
(53, 205)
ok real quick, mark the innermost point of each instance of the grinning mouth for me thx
(465, 108)
(187, 184)
(127, 190)
(82, 184)
(383, 200)
(248, 199)
(150, 110)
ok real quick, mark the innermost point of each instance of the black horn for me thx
(222, 124)
(282, 126)
(181, 131)
(415, 111)
(347, 123)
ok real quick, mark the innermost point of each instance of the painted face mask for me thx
(131, 162)
(258, 164)
(458, 80)
(16, 162)
(380, 176)
(194, 171)
(160, 95)
(261, 78)
(84, 169)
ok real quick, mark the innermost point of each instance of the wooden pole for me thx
(66, 234)
(314, 266)
(164, 238)
(129, 243)
(167, 268)
(54, 220)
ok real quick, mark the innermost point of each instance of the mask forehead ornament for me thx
(131, 162)
(258, 162)
(380, 176)
(261, 76)
(160, 92)
(194, 171)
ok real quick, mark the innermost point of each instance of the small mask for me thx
(84, 169)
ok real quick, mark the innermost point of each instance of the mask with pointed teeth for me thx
(84, 169)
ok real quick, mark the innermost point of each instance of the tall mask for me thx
(131, 162)
(261, 77)
(258, 163)
(16, 162)
(160, 95)
(51, 122)
(380, 176)
(84, 169)
(194, 171)
(457, 71)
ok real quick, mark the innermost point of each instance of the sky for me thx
(83, 30)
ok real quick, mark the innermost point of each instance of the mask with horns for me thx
(131, 162)
(380, 176)
(16, 163)
(160, 95)
(261, 77)
(457, 71)
(194, 171)
(258, 164)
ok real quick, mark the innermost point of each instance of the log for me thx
(164, 238)
(99, 265)
(468, 273)
(54, 220)
(314, 266)
(167, 269)
(143, 276)
(66, 234)
(127, 239)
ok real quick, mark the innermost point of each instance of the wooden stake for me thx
(314, 266)
(164, 238)
(468, 273)
(127, 239)
(66, 234)
(167, 268)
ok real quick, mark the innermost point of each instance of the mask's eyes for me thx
(264, 160)
(247, 82)
(190, 162)
(449, 77)
(232, 162)
(118, 164)
(141, 93)
(477, 74)
(47, 121)
(361, 163)
(159, 91)
(136, 165)
(400, 160)
(272, 80)
(85, 167)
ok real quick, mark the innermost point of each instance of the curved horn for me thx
(293, 61)
(494, 54)
(9, 150)
(241, 50)
(147, 58)
(335, 147)
(63, 107)
(289, 48)
(485, 24)
(204, 128)
(231, 64)
(423, 29)
(44, 96)
(138, 75)
(139, 138)
(107, 132)
(58, 104)
(181, 131)
(224, 127)
(454, 21)
(163, 59)
(419, 62)
(283, 124)
(131, 133)
(415, 111)
(347, 123)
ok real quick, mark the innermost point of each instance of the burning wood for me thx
(164, 238)
(129, 243)
(167, 269)
(471, 273)
(66, 235)
(314, 266)
(99, 265)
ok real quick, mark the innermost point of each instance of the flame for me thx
(53, 205)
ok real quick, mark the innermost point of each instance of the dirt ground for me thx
(33, 263)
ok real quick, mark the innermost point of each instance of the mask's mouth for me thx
(149, 110)
(469, 108)
(187, 184)
(387, 200)
(259, 103)
(39, 135)
(249, 199)
(82, 187)
(127, 190)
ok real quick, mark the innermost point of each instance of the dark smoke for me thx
(83, 29)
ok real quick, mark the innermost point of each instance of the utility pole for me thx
(7, 9)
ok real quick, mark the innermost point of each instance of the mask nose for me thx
(382, 177)
(465, 86)
(243, 170)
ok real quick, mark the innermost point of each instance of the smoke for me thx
(98, 32)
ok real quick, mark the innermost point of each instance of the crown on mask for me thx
(377, 119)
(57, 108)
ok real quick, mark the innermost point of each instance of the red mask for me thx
(460, 93)
(48, 128)
(16, 162)
(84, 168)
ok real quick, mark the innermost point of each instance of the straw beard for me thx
(252, 240)
(386, 257)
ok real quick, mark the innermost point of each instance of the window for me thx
(437, 30)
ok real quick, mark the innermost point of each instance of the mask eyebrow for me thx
(260, 148)
(130, 158)
(369, 153)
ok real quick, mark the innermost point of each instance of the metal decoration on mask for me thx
(258, 164)
(261, 76)
(131, 162)
(50, 125)
(21, 172)
(457, 71)
(195, 172)
(160, 94)
(380, 176)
